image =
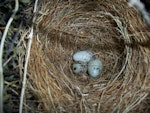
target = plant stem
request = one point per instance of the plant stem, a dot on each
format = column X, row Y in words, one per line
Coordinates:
column 1, row 54
column 27, row 60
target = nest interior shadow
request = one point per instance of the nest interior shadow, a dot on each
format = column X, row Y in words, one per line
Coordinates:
column 113, row 33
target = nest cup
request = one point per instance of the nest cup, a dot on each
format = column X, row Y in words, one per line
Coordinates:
column 118, row 37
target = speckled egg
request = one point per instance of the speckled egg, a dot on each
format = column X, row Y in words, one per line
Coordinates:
column 94, row 67
column 82, row 56
column 79, row 68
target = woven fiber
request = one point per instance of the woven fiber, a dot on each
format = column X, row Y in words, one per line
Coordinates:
column 117, row 35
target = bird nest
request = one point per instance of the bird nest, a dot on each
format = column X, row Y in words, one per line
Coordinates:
column 110, row 29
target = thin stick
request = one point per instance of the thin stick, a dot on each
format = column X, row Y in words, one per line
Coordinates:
column 1, row 54
column 26, row 61
column 25, row 70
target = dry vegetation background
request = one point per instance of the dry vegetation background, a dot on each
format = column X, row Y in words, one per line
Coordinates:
column 112, row 30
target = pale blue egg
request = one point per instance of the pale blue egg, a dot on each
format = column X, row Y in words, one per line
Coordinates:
column 82, row 56
column 94, row 67
column 79, row 68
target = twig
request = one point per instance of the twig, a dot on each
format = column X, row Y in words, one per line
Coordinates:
column 25, row 69
column 1, row 54
column 26, row 60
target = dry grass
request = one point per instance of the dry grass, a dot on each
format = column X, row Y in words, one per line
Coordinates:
column 111, row 29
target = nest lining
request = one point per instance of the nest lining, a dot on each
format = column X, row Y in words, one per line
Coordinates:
column 69, row 26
